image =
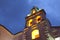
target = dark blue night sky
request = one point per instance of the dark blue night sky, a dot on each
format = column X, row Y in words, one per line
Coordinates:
column 13, row 12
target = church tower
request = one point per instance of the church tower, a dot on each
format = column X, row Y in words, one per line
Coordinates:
column 37, row 25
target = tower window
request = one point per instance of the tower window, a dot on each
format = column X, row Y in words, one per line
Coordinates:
column 38, row 19
column 29, row 22
column 35, row 34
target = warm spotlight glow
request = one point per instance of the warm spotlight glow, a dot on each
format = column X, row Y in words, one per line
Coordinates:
column 38, row 19
column 29, row 22
column 34, row 11
column 35, row 34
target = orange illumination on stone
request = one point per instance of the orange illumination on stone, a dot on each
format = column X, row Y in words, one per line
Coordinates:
column 29, row 22
column 36, row 36
column 38, row 19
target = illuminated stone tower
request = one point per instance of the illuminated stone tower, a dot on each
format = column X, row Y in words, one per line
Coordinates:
column 37, row 25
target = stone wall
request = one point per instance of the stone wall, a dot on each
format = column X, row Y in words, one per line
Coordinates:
column 5, row 35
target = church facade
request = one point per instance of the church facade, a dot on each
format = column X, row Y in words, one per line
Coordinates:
column 37, row 27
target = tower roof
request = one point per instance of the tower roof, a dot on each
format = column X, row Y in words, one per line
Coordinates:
column 41, row 11
column 36, row 9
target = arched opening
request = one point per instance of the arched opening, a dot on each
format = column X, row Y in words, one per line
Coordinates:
column 35, row 34
column 38, row 19
column 29, row 23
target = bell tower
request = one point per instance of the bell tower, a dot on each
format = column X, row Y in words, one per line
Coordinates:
column 37, row 25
